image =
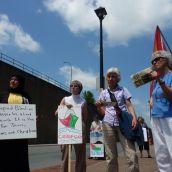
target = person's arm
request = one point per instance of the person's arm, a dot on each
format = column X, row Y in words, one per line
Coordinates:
column 100, row 107
column 130, row 108
column 62, row 103
column 166, row 89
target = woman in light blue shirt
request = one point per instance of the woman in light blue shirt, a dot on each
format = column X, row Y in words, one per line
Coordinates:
column 161, row 104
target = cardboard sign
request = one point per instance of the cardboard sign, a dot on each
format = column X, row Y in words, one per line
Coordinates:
column 69, row 125
column 17, row 121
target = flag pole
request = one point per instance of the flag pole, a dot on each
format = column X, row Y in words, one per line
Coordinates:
column 69, row 157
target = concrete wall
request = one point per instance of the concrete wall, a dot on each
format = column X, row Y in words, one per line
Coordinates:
column 45, row 95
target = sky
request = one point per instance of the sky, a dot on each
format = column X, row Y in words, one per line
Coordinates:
column 56, row 37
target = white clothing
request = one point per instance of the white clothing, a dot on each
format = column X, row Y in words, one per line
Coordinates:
column 145, row 135
column 162, row 133
column 96, row 126
column 74, row 100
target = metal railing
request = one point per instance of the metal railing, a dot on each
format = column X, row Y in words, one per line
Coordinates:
column 23, row 67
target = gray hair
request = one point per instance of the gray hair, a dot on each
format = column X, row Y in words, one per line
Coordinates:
column 163, row 54
column 114, row 70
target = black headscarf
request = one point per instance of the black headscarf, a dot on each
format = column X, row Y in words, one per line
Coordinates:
column 20, row 88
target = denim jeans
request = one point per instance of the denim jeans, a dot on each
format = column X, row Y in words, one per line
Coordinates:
column 111, row 135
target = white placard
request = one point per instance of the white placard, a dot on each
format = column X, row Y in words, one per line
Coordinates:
column 17, row 121
column 145, row 134
column 69, row 125
column 96, row 137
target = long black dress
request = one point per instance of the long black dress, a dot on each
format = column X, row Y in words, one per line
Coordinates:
column 14, row 153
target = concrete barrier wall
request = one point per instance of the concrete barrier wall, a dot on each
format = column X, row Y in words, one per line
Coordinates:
column 45, row 95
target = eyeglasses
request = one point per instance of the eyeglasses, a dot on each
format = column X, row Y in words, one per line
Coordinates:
column 73, row 85
column 157, row 60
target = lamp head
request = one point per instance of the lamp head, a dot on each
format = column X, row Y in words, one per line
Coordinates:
column 101, row 13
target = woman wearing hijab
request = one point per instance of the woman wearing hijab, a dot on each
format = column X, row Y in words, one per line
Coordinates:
column 14, row 152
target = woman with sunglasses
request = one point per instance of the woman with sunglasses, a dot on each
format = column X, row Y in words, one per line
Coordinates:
column 161, row 104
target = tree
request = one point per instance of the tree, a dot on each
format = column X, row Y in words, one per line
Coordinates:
column 92, row 111
column 89, row 97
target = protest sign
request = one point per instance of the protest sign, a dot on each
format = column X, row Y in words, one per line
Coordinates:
column 142, row 77
column 17, row 121
column 96, row 144
column 96, row 150
column 69, row 125
column 96, row 137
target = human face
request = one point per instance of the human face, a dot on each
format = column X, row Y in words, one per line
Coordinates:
column 159, row 63
column 74, row 89
column 112, row 79
column 14, row 83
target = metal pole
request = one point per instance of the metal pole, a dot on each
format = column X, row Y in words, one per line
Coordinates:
column 101, row 56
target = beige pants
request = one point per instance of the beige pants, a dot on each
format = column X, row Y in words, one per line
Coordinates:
column 111, row 136
column 80, row 152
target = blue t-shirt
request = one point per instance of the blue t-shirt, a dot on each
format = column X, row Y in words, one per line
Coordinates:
column 162, row 107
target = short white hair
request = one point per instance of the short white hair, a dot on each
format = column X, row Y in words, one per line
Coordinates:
column 114, row 70
column 163, row 54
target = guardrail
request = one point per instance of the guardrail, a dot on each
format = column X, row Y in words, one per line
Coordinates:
column 18, row 64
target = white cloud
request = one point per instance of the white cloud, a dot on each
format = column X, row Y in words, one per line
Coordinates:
column 14, row 35
column 88, row 78
column 125, row 20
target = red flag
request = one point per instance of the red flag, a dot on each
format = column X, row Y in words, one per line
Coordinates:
column 159, row 44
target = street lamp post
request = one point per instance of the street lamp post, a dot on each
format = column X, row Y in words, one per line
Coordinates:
column 101, row 13
column 70, row 70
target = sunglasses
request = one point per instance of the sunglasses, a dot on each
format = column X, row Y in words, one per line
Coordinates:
column 156, row 60
column 73, row 85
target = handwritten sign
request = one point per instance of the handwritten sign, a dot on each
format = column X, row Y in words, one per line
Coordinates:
column 17, row 121
column 69, row 125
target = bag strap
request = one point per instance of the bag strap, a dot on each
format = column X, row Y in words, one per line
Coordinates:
column 113, row 99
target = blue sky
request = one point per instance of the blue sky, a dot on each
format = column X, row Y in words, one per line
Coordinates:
column 44, row 34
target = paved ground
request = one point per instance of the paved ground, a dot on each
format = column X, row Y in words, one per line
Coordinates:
column 146, row 164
